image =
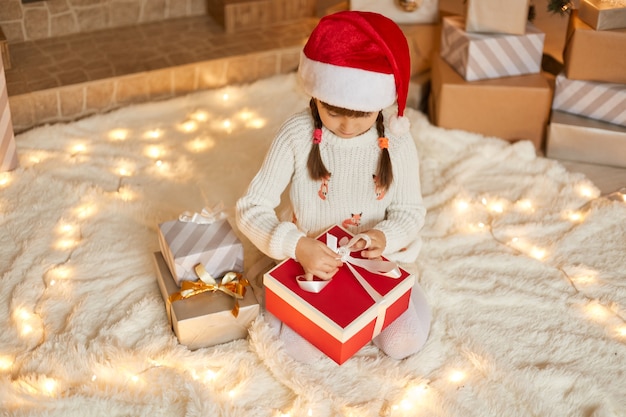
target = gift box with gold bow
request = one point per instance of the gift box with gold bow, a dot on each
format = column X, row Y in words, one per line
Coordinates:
column 342, row 315
column 206, row 238
column 208, row 311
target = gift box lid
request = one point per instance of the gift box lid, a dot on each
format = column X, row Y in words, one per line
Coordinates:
column 343, row 306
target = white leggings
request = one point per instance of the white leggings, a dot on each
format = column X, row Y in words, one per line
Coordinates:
column 403, row 337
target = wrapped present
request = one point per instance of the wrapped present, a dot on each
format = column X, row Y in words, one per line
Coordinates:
column 595, row 55
column 201, row 313
column 497, row 16
column 200, row 238
column 362, row 299
column 478, row 56
column 422, row 40
column 8, row 152
column 603, row 14
column 578, row 138
column 597, row 100
column 511, row 108
column 401, row 11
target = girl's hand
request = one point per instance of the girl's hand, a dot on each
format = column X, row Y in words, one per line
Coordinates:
column 317, row 259
column 376, row 247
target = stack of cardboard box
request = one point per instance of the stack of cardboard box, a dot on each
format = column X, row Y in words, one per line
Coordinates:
column 588, row 122
column 487, row 75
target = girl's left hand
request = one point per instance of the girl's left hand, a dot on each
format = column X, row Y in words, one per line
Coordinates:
column 376, row 247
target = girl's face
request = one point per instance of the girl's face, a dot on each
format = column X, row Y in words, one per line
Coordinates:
column 345, row 127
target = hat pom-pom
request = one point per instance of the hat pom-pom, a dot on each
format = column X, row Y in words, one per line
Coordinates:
column 399, row 125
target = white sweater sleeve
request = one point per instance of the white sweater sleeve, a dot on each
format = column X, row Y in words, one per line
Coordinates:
column 256, row 211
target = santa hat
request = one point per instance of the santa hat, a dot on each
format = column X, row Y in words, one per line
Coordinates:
column 358, row 61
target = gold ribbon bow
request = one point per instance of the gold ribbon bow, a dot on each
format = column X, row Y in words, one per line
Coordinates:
column 232, row 284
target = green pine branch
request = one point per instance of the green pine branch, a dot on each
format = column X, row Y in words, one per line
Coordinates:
column 561, row 7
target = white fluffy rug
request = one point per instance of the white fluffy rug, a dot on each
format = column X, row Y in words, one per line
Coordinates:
column 523, row 264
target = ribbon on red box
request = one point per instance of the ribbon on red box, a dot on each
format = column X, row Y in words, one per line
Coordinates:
column 344, row 249
column 377, row 266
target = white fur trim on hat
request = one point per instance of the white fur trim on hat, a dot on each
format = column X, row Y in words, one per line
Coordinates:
column 345, row 87
column 399, row 125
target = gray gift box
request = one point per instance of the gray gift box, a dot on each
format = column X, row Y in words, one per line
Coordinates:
column 204, row 319
column 186, row 244
column 578, row 138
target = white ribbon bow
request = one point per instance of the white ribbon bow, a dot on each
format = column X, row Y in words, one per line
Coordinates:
column 206, row 216
column 380, row 267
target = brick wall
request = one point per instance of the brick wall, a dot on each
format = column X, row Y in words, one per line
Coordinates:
column 52, row 18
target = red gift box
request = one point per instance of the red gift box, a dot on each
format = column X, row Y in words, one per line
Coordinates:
column 343, row 317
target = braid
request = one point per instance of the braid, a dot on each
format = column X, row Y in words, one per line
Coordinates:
column 384, row 172
column 317, row 169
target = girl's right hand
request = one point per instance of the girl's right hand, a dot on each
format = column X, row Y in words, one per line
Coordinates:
column 317, row 259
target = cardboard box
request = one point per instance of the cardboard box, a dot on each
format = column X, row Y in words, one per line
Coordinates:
column 511, row 108
column 8, row 150
column 205, row 319
column 479, row 56
column 603, row 15
column 597, row 100
column 579, row 138
column 594, row 55
column 238, row 15
column 497, row 16
column 423, row 41
column 186, row 244
column 427, row 12
column 343, row 317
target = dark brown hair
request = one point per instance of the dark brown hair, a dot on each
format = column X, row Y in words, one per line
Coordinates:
column 317, row 169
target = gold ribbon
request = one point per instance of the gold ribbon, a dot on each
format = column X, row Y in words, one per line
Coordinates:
column 232, row 284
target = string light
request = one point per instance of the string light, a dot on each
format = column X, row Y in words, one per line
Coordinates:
column 79, row 148
column 5, row 179
column 125, row 193
column 49, row 386
column 189, row 126
column 524, row 205
column 84, row 211
column 597, row 311
column 200, row 144
column 153, row 134
column 200, row 116
column 457, row 376
column 6, row 362
column 153, row 151
column 118, row 134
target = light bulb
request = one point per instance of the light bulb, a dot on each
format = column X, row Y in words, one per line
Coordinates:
column 457, row 376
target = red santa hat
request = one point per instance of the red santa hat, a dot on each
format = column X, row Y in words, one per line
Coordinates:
column 358, row 61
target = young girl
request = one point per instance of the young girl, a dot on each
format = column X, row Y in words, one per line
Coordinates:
column 345, row 165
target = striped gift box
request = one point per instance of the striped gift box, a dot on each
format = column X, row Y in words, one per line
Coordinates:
column 593, row 99
column 8, row 153
column 478, row 56
column 186, row 244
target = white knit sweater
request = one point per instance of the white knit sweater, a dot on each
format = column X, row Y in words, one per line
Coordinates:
column 350, row 198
